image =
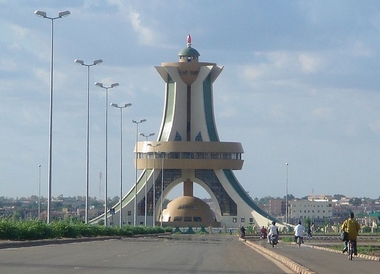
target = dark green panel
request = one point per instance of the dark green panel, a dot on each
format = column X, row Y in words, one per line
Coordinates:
column 209, row 109
column 243, row 194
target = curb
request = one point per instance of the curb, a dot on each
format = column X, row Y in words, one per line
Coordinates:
column 27, row 243
column 297, row 268
column 16, row 244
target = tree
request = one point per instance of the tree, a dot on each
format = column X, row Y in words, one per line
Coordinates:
column 338, row 196
column 355, row 201
column 265, row 200
column 290, row 197
column 18, row 215
column 308, row 221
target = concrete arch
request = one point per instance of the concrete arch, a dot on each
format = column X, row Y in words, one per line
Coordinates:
column 181, row 180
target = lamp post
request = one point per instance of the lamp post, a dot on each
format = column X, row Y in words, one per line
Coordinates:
column 137, row 139
column 162, row 184
column 106, row 146
column 121, row 157
column 43, row 15
column 39, row 192
column 154, row 184
column 94, row 63
column 145, row 190
column 286, row 197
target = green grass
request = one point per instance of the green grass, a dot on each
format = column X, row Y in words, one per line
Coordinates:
column 361, row 249
column 287, row 239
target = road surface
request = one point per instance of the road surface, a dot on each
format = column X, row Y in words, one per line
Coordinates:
column 208, row 254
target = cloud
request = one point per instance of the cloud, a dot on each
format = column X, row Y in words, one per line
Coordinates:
column 146, row 36
column 18, row 31
column 285, row 68
column 359, row 48
column 375, row 126
column 322, row 112
column 309, row 63
column 8, row 65
column 251, row 73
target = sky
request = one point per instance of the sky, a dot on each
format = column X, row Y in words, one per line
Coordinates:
column 300, row 85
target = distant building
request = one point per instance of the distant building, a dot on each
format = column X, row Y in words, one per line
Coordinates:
column 315, row 210
column 319, row 197
column 277, row 207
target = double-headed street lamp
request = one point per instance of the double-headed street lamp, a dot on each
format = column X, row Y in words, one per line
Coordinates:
column 39, row 192
column 106, row 146
column 162, row 184
column 121, row 157
column 154, row 183
column 43, row 15
column 146, row 173
column 137, row 139
column 286, row 197
column 81, row 62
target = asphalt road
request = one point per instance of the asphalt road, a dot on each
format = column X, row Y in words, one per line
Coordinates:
column 220, row 254
column 323, row 261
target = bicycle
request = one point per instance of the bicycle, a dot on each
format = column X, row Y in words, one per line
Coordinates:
column 273, row 240
column 350, row 249
column 299, row 240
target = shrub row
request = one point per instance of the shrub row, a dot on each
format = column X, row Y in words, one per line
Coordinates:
column 36, row 229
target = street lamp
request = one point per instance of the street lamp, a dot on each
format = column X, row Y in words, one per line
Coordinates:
column 106, row 146
column 43, row 15
column 137, row 139
column 162, row 184
column 121, row 157
column 286, row 197
column 81, row 62
column 39, row 192
column 154, row 183
column 146, row 173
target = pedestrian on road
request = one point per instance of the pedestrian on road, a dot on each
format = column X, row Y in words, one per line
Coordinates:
column 309, row 232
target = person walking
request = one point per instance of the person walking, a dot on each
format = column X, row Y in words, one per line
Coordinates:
column 309, row 236
column 352, row 227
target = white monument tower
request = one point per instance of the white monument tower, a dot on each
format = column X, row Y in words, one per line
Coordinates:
column 188, row 151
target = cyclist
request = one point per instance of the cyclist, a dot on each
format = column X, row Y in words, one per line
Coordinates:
column 298, row 232
column 272, row 231
column 263, row 233
column 352, row 227
column 242, row 232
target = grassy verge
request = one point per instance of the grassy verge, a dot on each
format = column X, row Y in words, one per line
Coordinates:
column 368, row 250
column 36, row 230
column 362, row 249
column 287, row 239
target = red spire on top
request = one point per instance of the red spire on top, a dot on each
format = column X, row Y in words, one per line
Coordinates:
column 189, row 39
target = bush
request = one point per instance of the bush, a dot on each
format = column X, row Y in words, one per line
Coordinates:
column 8, row 230
column 36, row 229
column 64, row 230
column 33, row 230
column 24, row 230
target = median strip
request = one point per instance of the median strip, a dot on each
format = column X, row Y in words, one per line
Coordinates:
column 297, row 268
